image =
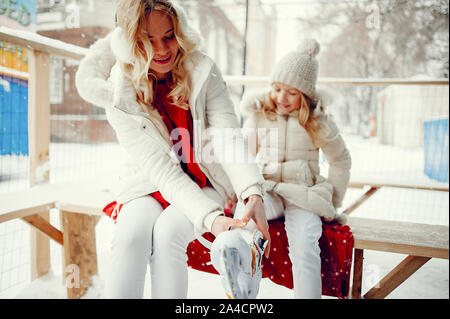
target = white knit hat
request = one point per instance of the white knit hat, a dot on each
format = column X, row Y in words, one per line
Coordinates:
column 299, row 68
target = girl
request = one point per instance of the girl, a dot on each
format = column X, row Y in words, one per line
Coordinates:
column 290, row 163
column 159, row 92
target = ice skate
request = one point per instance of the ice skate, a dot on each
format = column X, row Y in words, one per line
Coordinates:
column 239, row 263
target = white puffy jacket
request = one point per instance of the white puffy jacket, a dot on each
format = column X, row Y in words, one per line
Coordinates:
column 287, row 155
column 144, row 136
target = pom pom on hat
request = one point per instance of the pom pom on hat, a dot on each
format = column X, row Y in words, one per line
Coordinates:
column 299, row 68
column 309, row 46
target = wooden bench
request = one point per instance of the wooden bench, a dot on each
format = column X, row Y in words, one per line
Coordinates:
column 420, row 242
column 80, row 207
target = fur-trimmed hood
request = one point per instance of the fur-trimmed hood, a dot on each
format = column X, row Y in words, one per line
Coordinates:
column 252, row 101
column 120, row 47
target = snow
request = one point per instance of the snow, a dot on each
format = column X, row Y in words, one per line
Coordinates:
column 69, row 162
column 395, row 165
column 431, row 281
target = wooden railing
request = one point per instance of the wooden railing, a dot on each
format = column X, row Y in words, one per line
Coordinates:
column 40, row 49
column 39, row 139
column 264, row 80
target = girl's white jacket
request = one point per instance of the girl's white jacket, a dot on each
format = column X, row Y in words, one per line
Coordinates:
column 291, row 157
column 144, row 136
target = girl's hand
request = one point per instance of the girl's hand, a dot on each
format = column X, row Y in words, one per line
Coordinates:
column 254, row 209
column 223, row 223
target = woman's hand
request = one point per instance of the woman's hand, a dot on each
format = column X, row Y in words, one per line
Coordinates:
column 254, row 209
column 223, row 223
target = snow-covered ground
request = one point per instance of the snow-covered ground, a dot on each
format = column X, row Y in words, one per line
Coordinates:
column 370, row 160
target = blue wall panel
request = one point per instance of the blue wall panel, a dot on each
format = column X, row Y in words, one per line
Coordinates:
column 436, row 149
column 13, row 116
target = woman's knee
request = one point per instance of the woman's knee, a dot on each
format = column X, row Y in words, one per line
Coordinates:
column 173, row 229
column 135, row 224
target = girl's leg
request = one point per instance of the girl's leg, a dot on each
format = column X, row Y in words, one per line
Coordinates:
column 303, row 229
column 172, row 234
column 131, row 247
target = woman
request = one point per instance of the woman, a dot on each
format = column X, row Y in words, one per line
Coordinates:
column 160, row 93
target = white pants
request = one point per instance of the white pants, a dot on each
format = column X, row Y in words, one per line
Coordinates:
column 303, row 230
column 145, row 234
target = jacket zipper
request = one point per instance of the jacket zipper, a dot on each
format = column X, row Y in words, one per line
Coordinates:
column 203, row 168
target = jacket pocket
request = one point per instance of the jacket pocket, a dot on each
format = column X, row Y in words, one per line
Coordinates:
column 147, row 126
column 150, row 130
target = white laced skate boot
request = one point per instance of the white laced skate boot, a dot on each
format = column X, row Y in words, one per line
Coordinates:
column 239, row 262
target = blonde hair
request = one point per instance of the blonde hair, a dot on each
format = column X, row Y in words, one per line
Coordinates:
column 132, row 18
column 313, row 124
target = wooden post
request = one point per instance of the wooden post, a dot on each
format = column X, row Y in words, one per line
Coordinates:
column 80, row 253
column 38, row 143
column 357, row 274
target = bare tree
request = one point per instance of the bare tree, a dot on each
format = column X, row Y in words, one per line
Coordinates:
column 394, row 38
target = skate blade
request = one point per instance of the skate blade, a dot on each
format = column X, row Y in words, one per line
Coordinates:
column 231, row 260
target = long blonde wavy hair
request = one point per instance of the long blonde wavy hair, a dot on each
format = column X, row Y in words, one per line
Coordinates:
column 313, row 124
column 132, row 18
